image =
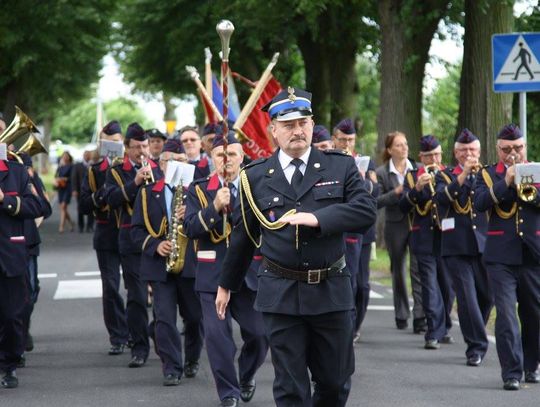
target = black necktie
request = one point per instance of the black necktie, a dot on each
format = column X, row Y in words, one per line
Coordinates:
column 233, row 195
column 297, row 177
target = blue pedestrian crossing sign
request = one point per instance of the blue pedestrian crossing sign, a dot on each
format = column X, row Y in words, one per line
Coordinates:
column 515, row 62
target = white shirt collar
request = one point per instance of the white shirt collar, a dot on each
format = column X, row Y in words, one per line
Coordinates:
column 285, row 159
column 234, row 181
column 392, row 167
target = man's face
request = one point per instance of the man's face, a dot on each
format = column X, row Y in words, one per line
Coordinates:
column 192, row 143
column 137, row 148
column 155, row 146
column 169, row 155
column 87, row 155
column 464, row 151
column 207, row 141
column 2, row 126
column 235, row 155
column 293, row 136
column 510, row 150
column 343, row 141
column 431, row 157
column 324, row 145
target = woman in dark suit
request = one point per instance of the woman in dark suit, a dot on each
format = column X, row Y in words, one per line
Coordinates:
column 62, row 184
column 396, row 230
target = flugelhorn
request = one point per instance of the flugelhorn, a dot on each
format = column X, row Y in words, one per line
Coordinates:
column 147, row 178
column 432, row 170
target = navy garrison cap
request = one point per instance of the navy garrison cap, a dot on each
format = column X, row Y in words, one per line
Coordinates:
column 346, row 126
column 135, row 132
column 113, row 127
column 428, row 143
column 289, row 104
column 466, row 137
column 211, row 128
column 320, row 134
column 510, row 132
column 173, row 146
column 2, row 116
column 152, row 133
column 219, row 140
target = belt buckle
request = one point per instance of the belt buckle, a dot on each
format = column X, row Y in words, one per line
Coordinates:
column 314, row 276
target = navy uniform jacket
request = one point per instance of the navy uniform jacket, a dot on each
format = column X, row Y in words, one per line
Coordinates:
column 423, row 215
column 334, row 192
column 123, row 191
column 506, row 237
column 462, row 234
column 19, row 203
column 153, row 267
column 93, row 198
column 31, row 232
column 202, row 168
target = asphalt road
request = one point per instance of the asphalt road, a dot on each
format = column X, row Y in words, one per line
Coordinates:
column 70, row 366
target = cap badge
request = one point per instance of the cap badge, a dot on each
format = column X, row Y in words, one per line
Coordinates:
column 292, row 96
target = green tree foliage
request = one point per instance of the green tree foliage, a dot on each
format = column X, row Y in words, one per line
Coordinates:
column 77, row 125
column 441, row 109
column 368, row 103
column 51, row 51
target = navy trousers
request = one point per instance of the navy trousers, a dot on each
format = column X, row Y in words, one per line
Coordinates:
column 176, row 293
column 137, row 295
column 474, row 300
column 437, row 296
column 320, row 344
column 114, row 312
column 516, row 285
column 13, row 305
column 362, row 286
column 32, row 283
column 220, row 344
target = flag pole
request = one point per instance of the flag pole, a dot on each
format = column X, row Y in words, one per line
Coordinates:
column 208, row 76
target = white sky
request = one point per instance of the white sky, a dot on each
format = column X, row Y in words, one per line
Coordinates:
column 111, row 84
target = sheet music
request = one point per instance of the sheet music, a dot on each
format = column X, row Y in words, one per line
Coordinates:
column 111, row 149
column 3, row 151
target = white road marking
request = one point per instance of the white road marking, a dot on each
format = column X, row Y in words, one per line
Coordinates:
column 47, row 275
column 87, row 273
column 72, row 289
column 373, row 294
column 380, row 307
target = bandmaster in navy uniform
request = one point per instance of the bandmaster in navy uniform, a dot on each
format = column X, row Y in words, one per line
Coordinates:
column 17, row 203
column 297, row 204
column 94, row 194
column 512, row 258
column 462, row 244
column 156, row 205
column 424, row 220
column 124, row 181
column 207, row 199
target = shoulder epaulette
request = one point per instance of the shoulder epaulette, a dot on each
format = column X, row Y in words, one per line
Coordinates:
column 336, row 151
column 256, row 162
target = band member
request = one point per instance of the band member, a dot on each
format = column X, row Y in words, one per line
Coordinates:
column 462, row 244
column 207, row 139
column 321, row 138
column 512, row 258
column 17, row 203
column 296, row 205
column 155, row 207
column 191, row 142
column 124, row 181
column 424, row 220
column 156, row 141
column 208, row 206
column 94, row 197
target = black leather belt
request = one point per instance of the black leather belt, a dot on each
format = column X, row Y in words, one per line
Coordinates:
column 314, row 276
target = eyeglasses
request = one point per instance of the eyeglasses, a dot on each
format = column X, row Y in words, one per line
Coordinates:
column 508, row 149
column 189, row 140
column 345, row 140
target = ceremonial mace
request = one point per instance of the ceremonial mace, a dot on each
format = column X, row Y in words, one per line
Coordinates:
column 225, row 30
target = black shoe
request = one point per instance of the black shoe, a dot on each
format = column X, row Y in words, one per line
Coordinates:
column 247, row 390
column 401, row 324
column 474, row 360
column 532, row 377
column 21, row 362
column 10, row 381
column 511, row 384
column 117, row 349
column 447, row 340
column 191, row 369
column 171, row 380
column 136, row 361
column 29, row 343
column 432, row 344
column 229, row 402
column 419, row 326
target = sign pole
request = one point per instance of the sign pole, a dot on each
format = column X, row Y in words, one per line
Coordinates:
column 523, row 114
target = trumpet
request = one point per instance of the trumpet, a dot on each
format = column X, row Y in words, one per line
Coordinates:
column 148, row 178
column 432, row 169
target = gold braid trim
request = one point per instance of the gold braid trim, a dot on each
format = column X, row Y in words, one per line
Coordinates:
column 502, row 213
column 148, row 224
column 215, row 236
column 92, row 180
column 462, row 210
column 427, row 207
column 119, row 181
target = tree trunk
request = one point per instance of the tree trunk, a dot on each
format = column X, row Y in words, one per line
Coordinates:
column 480, row 109
column 407, row 28
column 343, row 84
column 44, row 159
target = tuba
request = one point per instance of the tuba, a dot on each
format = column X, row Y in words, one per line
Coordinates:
column 32, row 146
column 20, row 126
column 175, row 261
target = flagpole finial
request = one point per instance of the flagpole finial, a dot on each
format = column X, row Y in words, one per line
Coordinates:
column 192, row 71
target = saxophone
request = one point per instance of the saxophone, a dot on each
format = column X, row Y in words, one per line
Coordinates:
column 175, row 234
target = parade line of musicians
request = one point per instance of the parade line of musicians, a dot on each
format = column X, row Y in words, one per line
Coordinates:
column 282, row 246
